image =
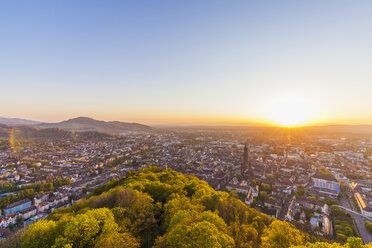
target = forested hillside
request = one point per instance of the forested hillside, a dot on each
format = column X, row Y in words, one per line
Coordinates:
column 161, row 208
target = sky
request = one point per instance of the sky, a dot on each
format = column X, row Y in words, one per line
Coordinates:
column 187, row 62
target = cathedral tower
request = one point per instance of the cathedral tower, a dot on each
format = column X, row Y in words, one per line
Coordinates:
column 245, row 159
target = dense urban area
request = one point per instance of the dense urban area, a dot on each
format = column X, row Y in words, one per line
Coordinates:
column 321, row 183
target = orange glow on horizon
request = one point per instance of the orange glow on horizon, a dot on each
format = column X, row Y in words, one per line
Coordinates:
column 284, row 111
column 291, row 110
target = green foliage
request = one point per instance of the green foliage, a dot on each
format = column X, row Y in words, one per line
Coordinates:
column 343, row 229
column 267, row 188
column 85, row 229
column 117, row 240
column 281, row 235
column 356, row 203
column 325, row 172
column 196, row 229
column 244, row 235
column 196, row 235
column 336, row 211
column 368, row 226
column 342, row 224
column 29, row 191
column 352, row 242
column 255, row 182
column 344, row 187
column 40, row 235
column 300, row 191
column 159, row 208
column 330, row 202
column 262, row 195
column 23, row 194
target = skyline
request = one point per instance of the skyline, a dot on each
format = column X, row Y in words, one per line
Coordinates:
column 187, row 63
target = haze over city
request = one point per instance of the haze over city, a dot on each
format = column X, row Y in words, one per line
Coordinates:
column 287, row 63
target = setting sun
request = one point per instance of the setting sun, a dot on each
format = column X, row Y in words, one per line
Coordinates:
column 290, row 111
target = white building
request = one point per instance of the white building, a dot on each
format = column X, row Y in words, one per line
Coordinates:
column 326, row 186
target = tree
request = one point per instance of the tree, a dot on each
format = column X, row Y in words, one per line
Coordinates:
column 198, row 235
column 300, row 191
column 234, row 194
column 156, row 208
column 343, row 186
column 267, row 188
column 281, row 235
column 49, row 187
column 244, row 235
column 83, row 230
column 254, row 182
column 117, row 240
column 40, row 235
column 337, row 211
column 177, row 204
column 20, row 221
column 352, row 242
column 66, row 181
column 368, row 226
column 262, row 195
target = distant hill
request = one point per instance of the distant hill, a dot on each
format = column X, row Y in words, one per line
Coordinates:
column 17, row 122
column 82, row 124
column 4, row 131
column 33, row 133
column 36, row 133
column 29, row 132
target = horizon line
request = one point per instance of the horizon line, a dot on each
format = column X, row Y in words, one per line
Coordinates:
column 201, row 123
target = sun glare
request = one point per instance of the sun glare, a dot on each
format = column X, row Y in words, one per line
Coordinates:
column 290, row 111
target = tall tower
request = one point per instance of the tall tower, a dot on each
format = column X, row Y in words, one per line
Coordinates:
column 245, row 159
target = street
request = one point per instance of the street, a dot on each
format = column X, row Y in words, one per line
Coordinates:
column 359, row 220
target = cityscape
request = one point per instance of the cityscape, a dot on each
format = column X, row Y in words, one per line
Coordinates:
column 185, row 124
column 301, row 179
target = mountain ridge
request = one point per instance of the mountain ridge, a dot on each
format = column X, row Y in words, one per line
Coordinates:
column 80, row 124
column 17, row 121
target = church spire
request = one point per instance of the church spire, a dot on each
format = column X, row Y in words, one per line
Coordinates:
column 245, row 159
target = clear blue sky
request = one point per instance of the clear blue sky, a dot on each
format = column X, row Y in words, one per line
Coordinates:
column 186, row 61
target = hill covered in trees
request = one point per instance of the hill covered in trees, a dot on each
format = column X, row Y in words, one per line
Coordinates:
column 27, row 133
column 161, row 208
column 81, row 124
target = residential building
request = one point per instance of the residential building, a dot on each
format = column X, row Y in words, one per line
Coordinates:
column 17, row 206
